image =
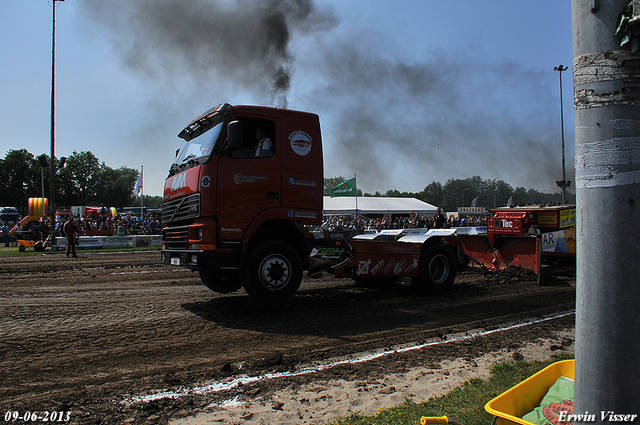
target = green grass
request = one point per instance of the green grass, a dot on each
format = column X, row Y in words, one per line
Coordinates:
column 464, row 404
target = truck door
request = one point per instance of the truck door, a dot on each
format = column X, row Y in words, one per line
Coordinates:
column 249, row 179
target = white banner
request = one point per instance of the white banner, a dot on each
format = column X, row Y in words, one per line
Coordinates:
column 111, row 241
column 96, row 242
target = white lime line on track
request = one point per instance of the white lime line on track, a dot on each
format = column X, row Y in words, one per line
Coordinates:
column 174, row 270
column 232, row 383
column 146, row 272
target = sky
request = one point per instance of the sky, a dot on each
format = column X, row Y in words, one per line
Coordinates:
column 408, row 92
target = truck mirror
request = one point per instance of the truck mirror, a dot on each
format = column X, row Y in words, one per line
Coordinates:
column 235, row 135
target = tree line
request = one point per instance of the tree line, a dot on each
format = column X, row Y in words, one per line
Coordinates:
column 455, row 193
column 80, row 179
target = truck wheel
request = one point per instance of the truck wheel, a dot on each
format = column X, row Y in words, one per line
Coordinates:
column 223, row 285
column 273, row 272
column 437, row 270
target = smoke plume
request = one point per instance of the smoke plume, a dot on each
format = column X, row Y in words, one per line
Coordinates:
column 396, row 123
column 210, row 43
column 453, row 116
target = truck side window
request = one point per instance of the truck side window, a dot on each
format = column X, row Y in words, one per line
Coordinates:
column 258, row 139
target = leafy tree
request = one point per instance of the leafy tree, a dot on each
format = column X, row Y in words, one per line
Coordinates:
column 42, row 172
column 501, row 192
column 115, row 187
column 81, row 179
column 86, row 181
column 453, row 192
column 432, row 193
column 18, row 179
column 489, row 193
column 154, row 202
column 520, row 195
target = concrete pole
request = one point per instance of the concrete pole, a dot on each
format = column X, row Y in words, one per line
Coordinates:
column 607, row 114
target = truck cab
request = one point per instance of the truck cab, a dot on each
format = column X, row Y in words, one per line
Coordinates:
column 235, row 204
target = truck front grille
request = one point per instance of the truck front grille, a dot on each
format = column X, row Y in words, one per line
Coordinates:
column 181, row 209
column 176, row 237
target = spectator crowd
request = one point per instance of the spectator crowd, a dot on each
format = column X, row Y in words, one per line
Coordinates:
column 121, row 225
column 413, row 221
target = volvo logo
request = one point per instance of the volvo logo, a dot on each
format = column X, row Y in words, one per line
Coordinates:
column 179, row 181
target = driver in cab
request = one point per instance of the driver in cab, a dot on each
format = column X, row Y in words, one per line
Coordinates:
column 264, row 147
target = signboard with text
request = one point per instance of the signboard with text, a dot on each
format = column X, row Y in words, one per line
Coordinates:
column 472, row 210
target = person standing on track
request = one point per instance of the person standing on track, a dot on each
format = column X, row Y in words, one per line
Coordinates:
column 5, row 234
column 70, row 229
column 440, row 221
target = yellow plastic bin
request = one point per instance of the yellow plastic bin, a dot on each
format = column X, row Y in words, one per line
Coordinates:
column 510, row 406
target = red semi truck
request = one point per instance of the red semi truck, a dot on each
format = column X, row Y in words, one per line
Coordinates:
column 237, row 209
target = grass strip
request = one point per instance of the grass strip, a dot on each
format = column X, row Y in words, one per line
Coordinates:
column 464, row 404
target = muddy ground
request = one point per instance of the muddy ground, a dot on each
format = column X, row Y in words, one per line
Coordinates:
column 95, row 335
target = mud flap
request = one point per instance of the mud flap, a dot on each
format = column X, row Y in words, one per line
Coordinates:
column 328, row 255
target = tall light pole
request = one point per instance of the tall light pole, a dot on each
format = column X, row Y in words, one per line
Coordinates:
column 52, row 164
column 563, row 184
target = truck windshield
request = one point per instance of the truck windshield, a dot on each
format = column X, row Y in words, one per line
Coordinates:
column 196, row 151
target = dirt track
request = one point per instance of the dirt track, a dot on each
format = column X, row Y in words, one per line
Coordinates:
column 83, row 335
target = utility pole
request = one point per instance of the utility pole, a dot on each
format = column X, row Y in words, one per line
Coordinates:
column 52, row 163
column 563, row 184
column 607, row 112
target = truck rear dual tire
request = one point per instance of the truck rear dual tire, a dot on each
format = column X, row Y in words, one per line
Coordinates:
column 273, row 272
column 437, row 269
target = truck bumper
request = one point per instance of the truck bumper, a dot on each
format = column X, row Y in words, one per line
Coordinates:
column 200, row 259
column 182, row 258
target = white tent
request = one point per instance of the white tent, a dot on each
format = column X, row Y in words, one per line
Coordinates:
column 376, row 205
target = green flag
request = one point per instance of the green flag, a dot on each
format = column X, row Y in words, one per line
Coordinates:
column 346, row 188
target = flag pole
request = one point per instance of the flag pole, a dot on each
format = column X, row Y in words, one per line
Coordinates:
column 142, row 191
column 355, row 181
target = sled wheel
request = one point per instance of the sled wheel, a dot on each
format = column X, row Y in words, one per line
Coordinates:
column 437, row 269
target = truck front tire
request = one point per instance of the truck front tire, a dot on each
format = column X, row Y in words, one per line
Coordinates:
column 217, row 283
column 273, row 272
column 437, row 269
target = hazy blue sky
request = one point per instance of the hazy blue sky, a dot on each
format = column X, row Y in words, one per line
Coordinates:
column 408, row 92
